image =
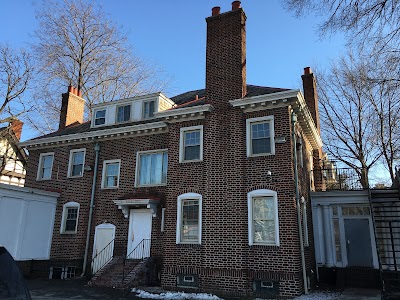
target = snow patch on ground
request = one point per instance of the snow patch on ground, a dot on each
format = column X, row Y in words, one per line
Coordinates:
column 175, row 295
column 192, row 296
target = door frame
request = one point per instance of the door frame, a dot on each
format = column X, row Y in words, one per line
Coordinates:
column 131, row 211
column 102, row 226
column 343, row 242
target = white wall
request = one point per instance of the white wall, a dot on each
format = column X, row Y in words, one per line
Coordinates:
column 26, row 221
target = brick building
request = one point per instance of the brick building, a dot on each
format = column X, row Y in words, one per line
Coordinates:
column 203, row 181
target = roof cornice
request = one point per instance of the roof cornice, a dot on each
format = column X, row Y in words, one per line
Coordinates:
column 281, row 99
column 184, row 113
column 141, row 129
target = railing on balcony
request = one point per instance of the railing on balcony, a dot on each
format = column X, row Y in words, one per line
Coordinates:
column 140, row 252
column 103, row 257
column 344, row 179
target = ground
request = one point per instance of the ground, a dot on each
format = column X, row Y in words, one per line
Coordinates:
column 42, row 289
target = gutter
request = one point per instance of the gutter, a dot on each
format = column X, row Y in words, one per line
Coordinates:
column 296, row 183
column 96, row 163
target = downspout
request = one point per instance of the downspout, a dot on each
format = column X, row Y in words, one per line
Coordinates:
column 96, row 163
column 296, row 184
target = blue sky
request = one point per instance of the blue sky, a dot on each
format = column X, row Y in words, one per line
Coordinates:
column 172, row 35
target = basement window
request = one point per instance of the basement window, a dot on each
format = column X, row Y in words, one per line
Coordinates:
column 187, row 280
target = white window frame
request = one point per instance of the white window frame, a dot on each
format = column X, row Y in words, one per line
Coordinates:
column 257, row 194
column 137, row 171
column 130, row 113
column 71, row 154
column 182, row 143
column 39, row 176
column 94, row 117
column 144, row 107
column 249, row 122
column 187, row 196
column 104, row 173
column 64, row 217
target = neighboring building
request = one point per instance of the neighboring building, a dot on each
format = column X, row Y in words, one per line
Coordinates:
column 206, row 177
column 13, row 157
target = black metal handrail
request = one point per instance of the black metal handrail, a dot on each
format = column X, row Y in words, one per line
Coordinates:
column 103, row 257
column 140, row 252
column 344, row 179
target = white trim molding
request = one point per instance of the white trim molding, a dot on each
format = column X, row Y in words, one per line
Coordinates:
column 249, row 122
column 104, row 173
column 65, row 214
column 137, row 171
column 260, row 194
column 293, row 98
column 39, row 175
column 182, row 143
column 110, row 133
column 70, row 162
column 180, row 199
column 184, row 114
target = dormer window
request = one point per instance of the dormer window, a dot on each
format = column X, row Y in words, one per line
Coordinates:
column 100, row 117
column 123, row 113
column 148, row 109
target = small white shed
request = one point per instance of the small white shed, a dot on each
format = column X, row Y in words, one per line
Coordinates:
column 26, row 221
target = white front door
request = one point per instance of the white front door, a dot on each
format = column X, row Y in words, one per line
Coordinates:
column 139, row 236
column 103, row 247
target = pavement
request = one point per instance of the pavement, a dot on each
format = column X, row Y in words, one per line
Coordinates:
column 45, row 289
column 360, row 294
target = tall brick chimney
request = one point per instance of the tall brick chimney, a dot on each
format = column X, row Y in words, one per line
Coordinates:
column 226, row 56
column 72, row 108
column 16, row 127
column 310, row 94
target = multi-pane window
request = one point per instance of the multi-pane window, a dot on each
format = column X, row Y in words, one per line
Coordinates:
column 70, row 217
column 45, row 166
column 152, row 168
column 148, row 109
column 100, row 117
column 189, row 219
column 123, row 113
column 260, row 136
column 191, row 144
column 111, row 174
column 76, row 163
column 263, row 218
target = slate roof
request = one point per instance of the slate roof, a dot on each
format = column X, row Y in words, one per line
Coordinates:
column 187, row 99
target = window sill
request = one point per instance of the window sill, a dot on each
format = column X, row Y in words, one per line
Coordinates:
column 68, row 232
column 190, row 161
column 188, row 244
column 43, row 179
column 72, row 177
column 109, row 187
column 261, row 154
column 150, row 185
column 265, row 244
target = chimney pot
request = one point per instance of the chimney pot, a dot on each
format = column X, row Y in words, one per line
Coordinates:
column 216, row 10
column 235, row 5
column 307, row 71
column 70, row 89
column 79, row 94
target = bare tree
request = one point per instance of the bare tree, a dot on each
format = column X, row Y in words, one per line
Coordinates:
column 348, row 117
column 384, row 95
column 366, row 18
column 77, row 44
column 16, row 69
